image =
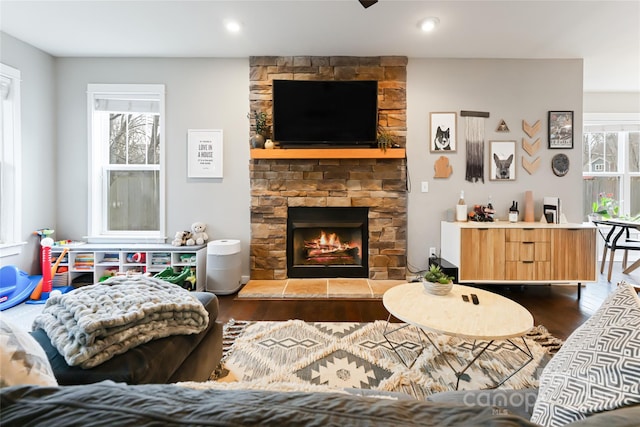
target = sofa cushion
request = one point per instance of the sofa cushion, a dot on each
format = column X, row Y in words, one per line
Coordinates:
column 623, row 417
column 22, row 360
column 153, row 362
column 154, row 405
column 598, row 367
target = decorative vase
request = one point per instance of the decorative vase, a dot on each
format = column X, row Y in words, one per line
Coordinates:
column 528, row 207
column 461, row 213
column 436, row 288
column 269, row 144
column 257, row 141
column 594, row 216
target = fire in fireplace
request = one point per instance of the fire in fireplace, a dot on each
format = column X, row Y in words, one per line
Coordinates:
column 327, row 242
column 327, row 250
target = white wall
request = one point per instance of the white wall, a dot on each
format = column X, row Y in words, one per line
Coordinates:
column 39, row 191
column 512, row 90
column 612, row 102
column 200, row 94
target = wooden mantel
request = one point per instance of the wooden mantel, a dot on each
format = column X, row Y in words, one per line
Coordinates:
column 328, row 153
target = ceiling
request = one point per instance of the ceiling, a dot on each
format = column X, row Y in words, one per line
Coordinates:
column 606, row 34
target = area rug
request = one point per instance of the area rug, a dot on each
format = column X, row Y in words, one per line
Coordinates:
column 357, row 355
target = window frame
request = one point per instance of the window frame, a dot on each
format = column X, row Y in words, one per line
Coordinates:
column 622, row 124
column 99, row 165
column 11, row 154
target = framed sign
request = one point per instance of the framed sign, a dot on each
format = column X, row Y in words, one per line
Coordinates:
column 204, row 153
column 442, row 132
column 560, row 129
column 503, row 160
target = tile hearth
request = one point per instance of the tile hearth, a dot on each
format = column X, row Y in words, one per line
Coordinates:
column 317, row 288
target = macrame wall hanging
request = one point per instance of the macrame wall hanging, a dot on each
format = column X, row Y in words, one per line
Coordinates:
column 474, row 134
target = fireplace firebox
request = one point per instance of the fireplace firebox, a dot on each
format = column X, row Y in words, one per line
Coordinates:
column 327, row 242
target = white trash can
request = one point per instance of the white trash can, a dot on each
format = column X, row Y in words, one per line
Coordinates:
column 224, row 274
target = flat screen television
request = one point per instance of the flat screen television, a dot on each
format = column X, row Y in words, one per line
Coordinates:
column 309, row 113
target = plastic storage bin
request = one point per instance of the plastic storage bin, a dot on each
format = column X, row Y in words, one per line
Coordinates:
column 224, row 260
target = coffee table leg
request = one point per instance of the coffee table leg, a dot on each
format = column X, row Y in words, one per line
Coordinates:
column 461, row 375
column 394, row 346
column 527, row 352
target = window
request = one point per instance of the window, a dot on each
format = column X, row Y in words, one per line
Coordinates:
column 126, row 126
column 10, row 167
column 611, row 161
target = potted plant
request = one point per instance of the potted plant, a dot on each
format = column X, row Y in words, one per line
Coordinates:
column 605, row 207
column 261, row 129
column 385, row 139
column 436, row 281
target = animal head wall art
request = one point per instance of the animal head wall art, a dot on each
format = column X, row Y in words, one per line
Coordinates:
column 503, row 166
column 442, row 140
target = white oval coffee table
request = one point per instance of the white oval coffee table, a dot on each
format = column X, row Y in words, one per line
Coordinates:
column 493, row 318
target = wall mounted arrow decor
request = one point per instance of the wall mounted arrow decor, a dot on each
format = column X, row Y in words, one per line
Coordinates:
column 531, row 130
column 530, row 167
column 531, row 149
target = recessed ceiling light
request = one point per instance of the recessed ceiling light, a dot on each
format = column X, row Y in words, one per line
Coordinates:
column 232, row 26
column 428, row 24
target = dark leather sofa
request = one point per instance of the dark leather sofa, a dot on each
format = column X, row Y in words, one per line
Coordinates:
column 166, row 360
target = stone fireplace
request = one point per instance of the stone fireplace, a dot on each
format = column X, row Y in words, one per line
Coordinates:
column 377, row 184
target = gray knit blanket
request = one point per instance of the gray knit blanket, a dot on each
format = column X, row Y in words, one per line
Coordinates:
column 92, row 324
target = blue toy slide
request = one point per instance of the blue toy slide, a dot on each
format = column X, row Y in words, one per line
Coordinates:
column 15, row 286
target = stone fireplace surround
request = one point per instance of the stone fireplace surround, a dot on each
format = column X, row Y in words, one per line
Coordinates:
column 379, row 184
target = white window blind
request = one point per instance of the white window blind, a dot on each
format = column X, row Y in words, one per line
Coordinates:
column 116, row 105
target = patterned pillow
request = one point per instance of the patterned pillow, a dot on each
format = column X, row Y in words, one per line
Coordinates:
column 598, row 367
column 22, row 359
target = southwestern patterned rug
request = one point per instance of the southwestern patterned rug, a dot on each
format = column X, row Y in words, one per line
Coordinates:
column 357, row 355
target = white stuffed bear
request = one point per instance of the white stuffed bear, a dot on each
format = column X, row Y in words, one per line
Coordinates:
column 198, row 235
column 181, row 238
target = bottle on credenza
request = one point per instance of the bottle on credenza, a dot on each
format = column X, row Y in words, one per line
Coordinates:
column 513, row 212
column 461, row 208
column 489, row 211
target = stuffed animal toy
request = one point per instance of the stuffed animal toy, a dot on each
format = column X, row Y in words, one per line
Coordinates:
column 198, row 235
column 181, row 238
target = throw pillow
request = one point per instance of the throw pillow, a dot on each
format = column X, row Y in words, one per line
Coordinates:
column 22, row 359
column 598, row 367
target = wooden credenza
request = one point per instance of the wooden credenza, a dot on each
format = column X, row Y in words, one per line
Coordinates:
column 504, row 252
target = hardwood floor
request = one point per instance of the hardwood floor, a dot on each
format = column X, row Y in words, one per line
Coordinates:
column 556, row 307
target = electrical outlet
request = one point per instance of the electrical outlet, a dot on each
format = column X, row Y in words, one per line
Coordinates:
column 425, row 186
column 432, row 253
